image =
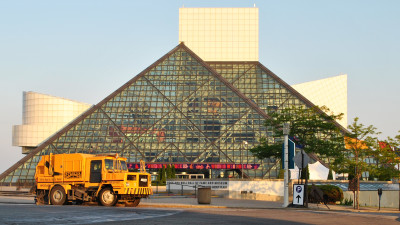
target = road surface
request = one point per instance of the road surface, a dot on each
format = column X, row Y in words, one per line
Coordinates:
column 73, row 214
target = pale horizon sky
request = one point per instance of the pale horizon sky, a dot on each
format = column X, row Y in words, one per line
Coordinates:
column 84, row 50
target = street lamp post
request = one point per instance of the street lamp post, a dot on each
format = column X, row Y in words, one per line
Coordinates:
column 286, row 129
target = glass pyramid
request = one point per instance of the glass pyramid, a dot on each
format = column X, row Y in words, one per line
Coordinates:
column 179, row 110
column 266, row 89
column 259, row 84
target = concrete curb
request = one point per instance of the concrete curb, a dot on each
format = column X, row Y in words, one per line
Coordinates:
column 18, row 203
column 171, row 205
column 350, row 209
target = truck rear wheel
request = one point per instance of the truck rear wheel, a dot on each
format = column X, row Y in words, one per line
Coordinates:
column 107, row 197
column 58, row 196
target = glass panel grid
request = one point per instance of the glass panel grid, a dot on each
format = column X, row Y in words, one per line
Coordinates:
column 178, row 111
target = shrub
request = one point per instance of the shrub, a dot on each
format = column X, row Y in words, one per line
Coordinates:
column 330, row 175
column 155, row 183
column 331, row 193
column 347, row 202
column 281, row 174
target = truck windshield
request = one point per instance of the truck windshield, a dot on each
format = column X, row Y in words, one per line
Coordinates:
column 115, row 165
column 122, row 165
column 109, row 164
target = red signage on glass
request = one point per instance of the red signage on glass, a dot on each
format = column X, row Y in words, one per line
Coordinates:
column 198, row 166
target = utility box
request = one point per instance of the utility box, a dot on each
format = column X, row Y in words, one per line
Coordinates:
column 204, row 195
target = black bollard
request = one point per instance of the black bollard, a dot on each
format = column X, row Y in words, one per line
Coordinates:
column 379, row 194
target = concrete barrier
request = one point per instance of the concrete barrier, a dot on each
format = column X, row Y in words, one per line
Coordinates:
column 389, row 199
column 272, row 189
column 268, row 190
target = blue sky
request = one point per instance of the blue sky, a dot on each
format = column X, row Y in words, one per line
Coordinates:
column 84, row 50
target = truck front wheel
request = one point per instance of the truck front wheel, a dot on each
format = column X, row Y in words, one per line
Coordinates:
column 58, row 196
column 107, row 197
column 134, row 203
column 41, row 197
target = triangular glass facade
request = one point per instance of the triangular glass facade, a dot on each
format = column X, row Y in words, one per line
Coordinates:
column 263, row 87
column 260, row 85
column 177, row 110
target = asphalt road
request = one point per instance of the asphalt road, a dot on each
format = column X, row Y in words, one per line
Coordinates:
column 71, row 214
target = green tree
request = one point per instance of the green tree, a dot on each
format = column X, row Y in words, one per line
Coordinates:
column 361, row 143
column 173, row 171
column 372, row 175
column 163, row 175
column 350, row 171
column 387, row 158
column 168, row 171
column 159, row 176
column 330, row 175
column 314, row 128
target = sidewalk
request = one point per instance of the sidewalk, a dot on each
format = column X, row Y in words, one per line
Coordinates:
column 17, row 200
column 191, row 202
column 188, row 201
column 363, row 209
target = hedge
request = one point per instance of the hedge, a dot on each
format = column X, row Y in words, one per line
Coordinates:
column 332, row 194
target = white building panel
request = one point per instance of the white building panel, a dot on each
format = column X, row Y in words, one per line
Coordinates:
column 330, row 92
column 220, row 34
column 42, row 116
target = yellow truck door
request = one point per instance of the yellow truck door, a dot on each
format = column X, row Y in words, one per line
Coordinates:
column 95, row 171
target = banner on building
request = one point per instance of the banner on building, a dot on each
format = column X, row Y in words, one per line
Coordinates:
column 198, row 166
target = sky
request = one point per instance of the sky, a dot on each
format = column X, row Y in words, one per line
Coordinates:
column 84, row 50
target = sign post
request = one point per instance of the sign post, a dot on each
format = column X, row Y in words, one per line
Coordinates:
column 291, row 152
column 302, row 161
column 286, row 128
column 298, row 194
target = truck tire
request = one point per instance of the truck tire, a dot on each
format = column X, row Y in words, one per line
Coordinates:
column 134, row 203
column 107, row 197
column 41, row 197
column 58, row 196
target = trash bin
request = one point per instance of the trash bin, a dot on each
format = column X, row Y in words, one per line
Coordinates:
column 204, row 195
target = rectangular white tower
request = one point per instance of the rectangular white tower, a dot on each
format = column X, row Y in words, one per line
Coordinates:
column 220, row 34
